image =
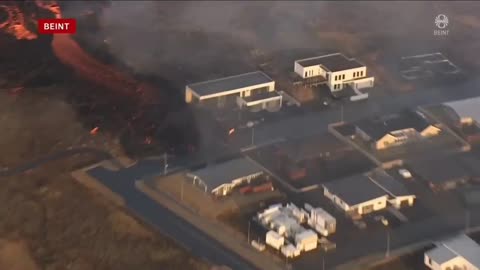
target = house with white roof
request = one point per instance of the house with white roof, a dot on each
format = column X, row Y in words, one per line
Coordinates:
column 339, row 71
column 457, row 253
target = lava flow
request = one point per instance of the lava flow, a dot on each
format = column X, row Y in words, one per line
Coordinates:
column 67, row 50
column 15, row 23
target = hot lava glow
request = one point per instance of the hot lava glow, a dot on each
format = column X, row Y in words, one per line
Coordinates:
column 68, row 51
column 15, row 23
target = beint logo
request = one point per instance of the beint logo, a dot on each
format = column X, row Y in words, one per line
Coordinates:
column 441, row 21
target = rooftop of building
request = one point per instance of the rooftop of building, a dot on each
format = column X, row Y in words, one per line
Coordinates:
column 466, row 108
column 391, row 185
column 230, row 83
column 378, row 127
column 451, row 248
column 316, row 146
column 332, row 62
column 355, row 189
column 440, row 170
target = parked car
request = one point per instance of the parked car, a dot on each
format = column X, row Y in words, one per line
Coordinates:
column 406, row 174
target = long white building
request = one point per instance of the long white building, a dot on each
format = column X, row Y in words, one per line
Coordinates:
column 338, row 70
column 254, row 90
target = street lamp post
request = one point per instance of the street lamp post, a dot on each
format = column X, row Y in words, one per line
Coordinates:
column 165, row 164
column 387, row 252
column 341, row 113
column 323, row 262
column 386, row 224
column 181, row 190
column 248, row 234
column 467, row 220
column 251, row 125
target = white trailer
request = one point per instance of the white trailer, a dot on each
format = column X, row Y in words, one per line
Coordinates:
column 322, row 221
column 298, row 213
column 258, row 246
column 274, row 240
column 290, row 251
column 306, row 240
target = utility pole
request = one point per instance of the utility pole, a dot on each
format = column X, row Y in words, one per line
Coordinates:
column 387, row 252
column 341, row 113
column 323, row 262
column 467, row 220
column 181, row 190
column 253, row 136
column 251, row 125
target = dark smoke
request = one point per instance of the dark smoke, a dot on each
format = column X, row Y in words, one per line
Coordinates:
column 194, row 38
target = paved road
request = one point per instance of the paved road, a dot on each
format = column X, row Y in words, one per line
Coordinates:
column 122, row 182
column 374, row 243
column 316, row 122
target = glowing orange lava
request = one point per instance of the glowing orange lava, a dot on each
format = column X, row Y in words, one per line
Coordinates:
column 67, row 50
column 15, row 23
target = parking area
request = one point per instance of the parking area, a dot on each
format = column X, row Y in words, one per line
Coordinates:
column 430, row 66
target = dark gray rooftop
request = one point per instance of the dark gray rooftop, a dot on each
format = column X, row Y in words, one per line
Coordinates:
column 461, row 245
column 334, row 62
column 230, row 83
column 223, row 173
column 378, row 127
column 439, row 170
column 355, row 189
column 311, row 147
column 390, row 184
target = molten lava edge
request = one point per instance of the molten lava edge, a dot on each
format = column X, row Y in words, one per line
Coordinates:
column 145, row 118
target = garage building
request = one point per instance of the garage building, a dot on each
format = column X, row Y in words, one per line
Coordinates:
column 220, row 179
column 254, row 90
column 338, row 70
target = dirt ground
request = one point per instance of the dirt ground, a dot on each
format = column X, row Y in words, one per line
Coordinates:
column 48, row 221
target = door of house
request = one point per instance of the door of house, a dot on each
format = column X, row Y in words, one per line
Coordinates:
column 367, row 209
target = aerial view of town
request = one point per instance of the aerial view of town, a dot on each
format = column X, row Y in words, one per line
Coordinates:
column 239, row 135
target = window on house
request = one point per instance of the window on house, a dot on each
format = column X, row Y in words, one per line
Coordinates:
column 343, row 77
column 361, row 73
column 429, row 261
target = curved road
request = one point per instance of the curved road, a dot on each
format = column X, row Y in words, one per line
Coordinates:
column 71, row 54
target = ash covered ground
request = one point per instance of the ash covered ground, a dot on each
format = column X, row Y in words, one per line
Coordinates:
column 48, row 104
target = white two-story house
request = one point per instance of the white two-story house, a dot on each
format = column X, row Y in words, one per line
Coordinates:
column 338, row 71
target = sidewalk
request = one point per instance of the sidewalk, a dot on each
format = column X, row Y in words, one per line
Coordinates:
column 227, row 238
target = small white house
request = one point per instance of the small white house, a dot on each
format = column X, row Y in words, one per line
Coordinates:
column 220, row 179
column 338, row 71
column 459, row 252
column 365, row 193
